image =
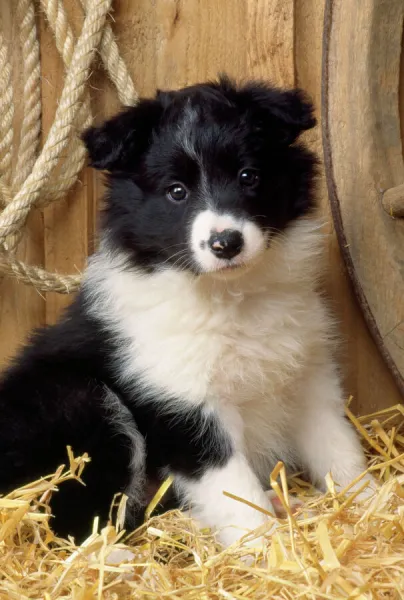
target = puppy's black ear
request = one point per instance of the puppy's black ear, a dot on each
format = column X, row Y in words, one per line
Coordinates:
column 283, row 114
column 117, row 144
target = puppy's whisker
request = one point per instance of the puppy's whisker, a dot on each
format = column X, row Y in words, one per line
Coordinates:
column 180, row 254
column 182, row 244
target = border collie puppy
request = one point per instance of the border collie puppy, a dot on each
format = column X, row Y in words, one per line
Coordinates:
column 198, row 344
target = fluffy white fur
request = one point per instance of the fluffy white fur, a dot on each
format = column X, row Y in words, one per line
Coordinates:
column 212, row 508
column 256, row 350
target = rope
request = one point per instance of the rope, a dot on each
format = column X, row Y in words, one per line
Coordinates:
column 31, row 123
column 45, row 176
column 42, row 280
column 7, row 114
column 65, row 43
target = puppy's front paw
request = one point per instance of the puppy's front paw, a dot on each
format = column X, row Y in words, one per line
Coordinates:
column 367, row 484
column 279, row 510
column 230, row 535
column 252, row 547
column 368, row 491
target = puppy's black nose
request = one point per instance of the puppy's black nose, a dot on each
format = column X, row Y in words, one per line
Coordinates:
column 226, row 244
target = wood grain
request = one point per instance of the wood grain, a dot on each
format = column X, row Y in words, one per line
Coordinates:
column 21, row 307
column 270, row 41
column 363, row 155
column 170, row 43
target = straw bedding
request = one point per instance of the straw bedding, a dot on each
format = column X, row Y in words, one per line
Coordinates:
column 331, row 548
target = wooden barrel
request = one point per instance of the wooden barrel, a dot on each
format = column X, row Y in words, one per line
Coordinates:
column 364, row 160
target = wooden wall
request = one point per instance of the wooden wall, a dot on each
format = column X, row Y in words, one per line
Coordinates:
column 170, row 43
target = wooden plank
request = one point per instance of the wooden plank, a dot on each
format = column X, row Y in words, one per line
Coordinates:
column 21, row 307
column 171, row 43
column 366, row 376
column 270, row 41
column 363, row 157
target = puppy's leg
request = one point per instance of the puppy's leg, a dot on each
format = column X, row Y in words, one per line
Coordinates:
column 207, row 459
column 211, row 507
column 325, row 440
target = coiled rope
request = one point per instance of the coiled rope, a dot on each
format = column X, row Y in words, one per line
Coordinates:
column 44, row 176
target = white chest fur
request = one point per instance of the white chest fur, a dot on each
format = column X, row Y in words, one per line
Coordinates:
column 244, row 341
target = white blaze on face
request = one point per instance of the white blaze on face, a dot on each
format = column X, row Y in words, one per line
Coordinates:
column 208, row 222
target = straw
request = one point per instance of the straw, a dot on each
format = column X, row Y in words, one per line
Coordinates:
column 334, row 546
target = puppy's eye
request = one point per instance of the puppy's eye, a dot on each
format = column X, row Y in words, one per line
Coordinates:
column 177, row 192
column 249, row 177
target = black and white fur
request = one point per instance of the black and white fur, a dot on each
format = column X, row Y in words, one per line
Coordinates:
column 198, row 344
